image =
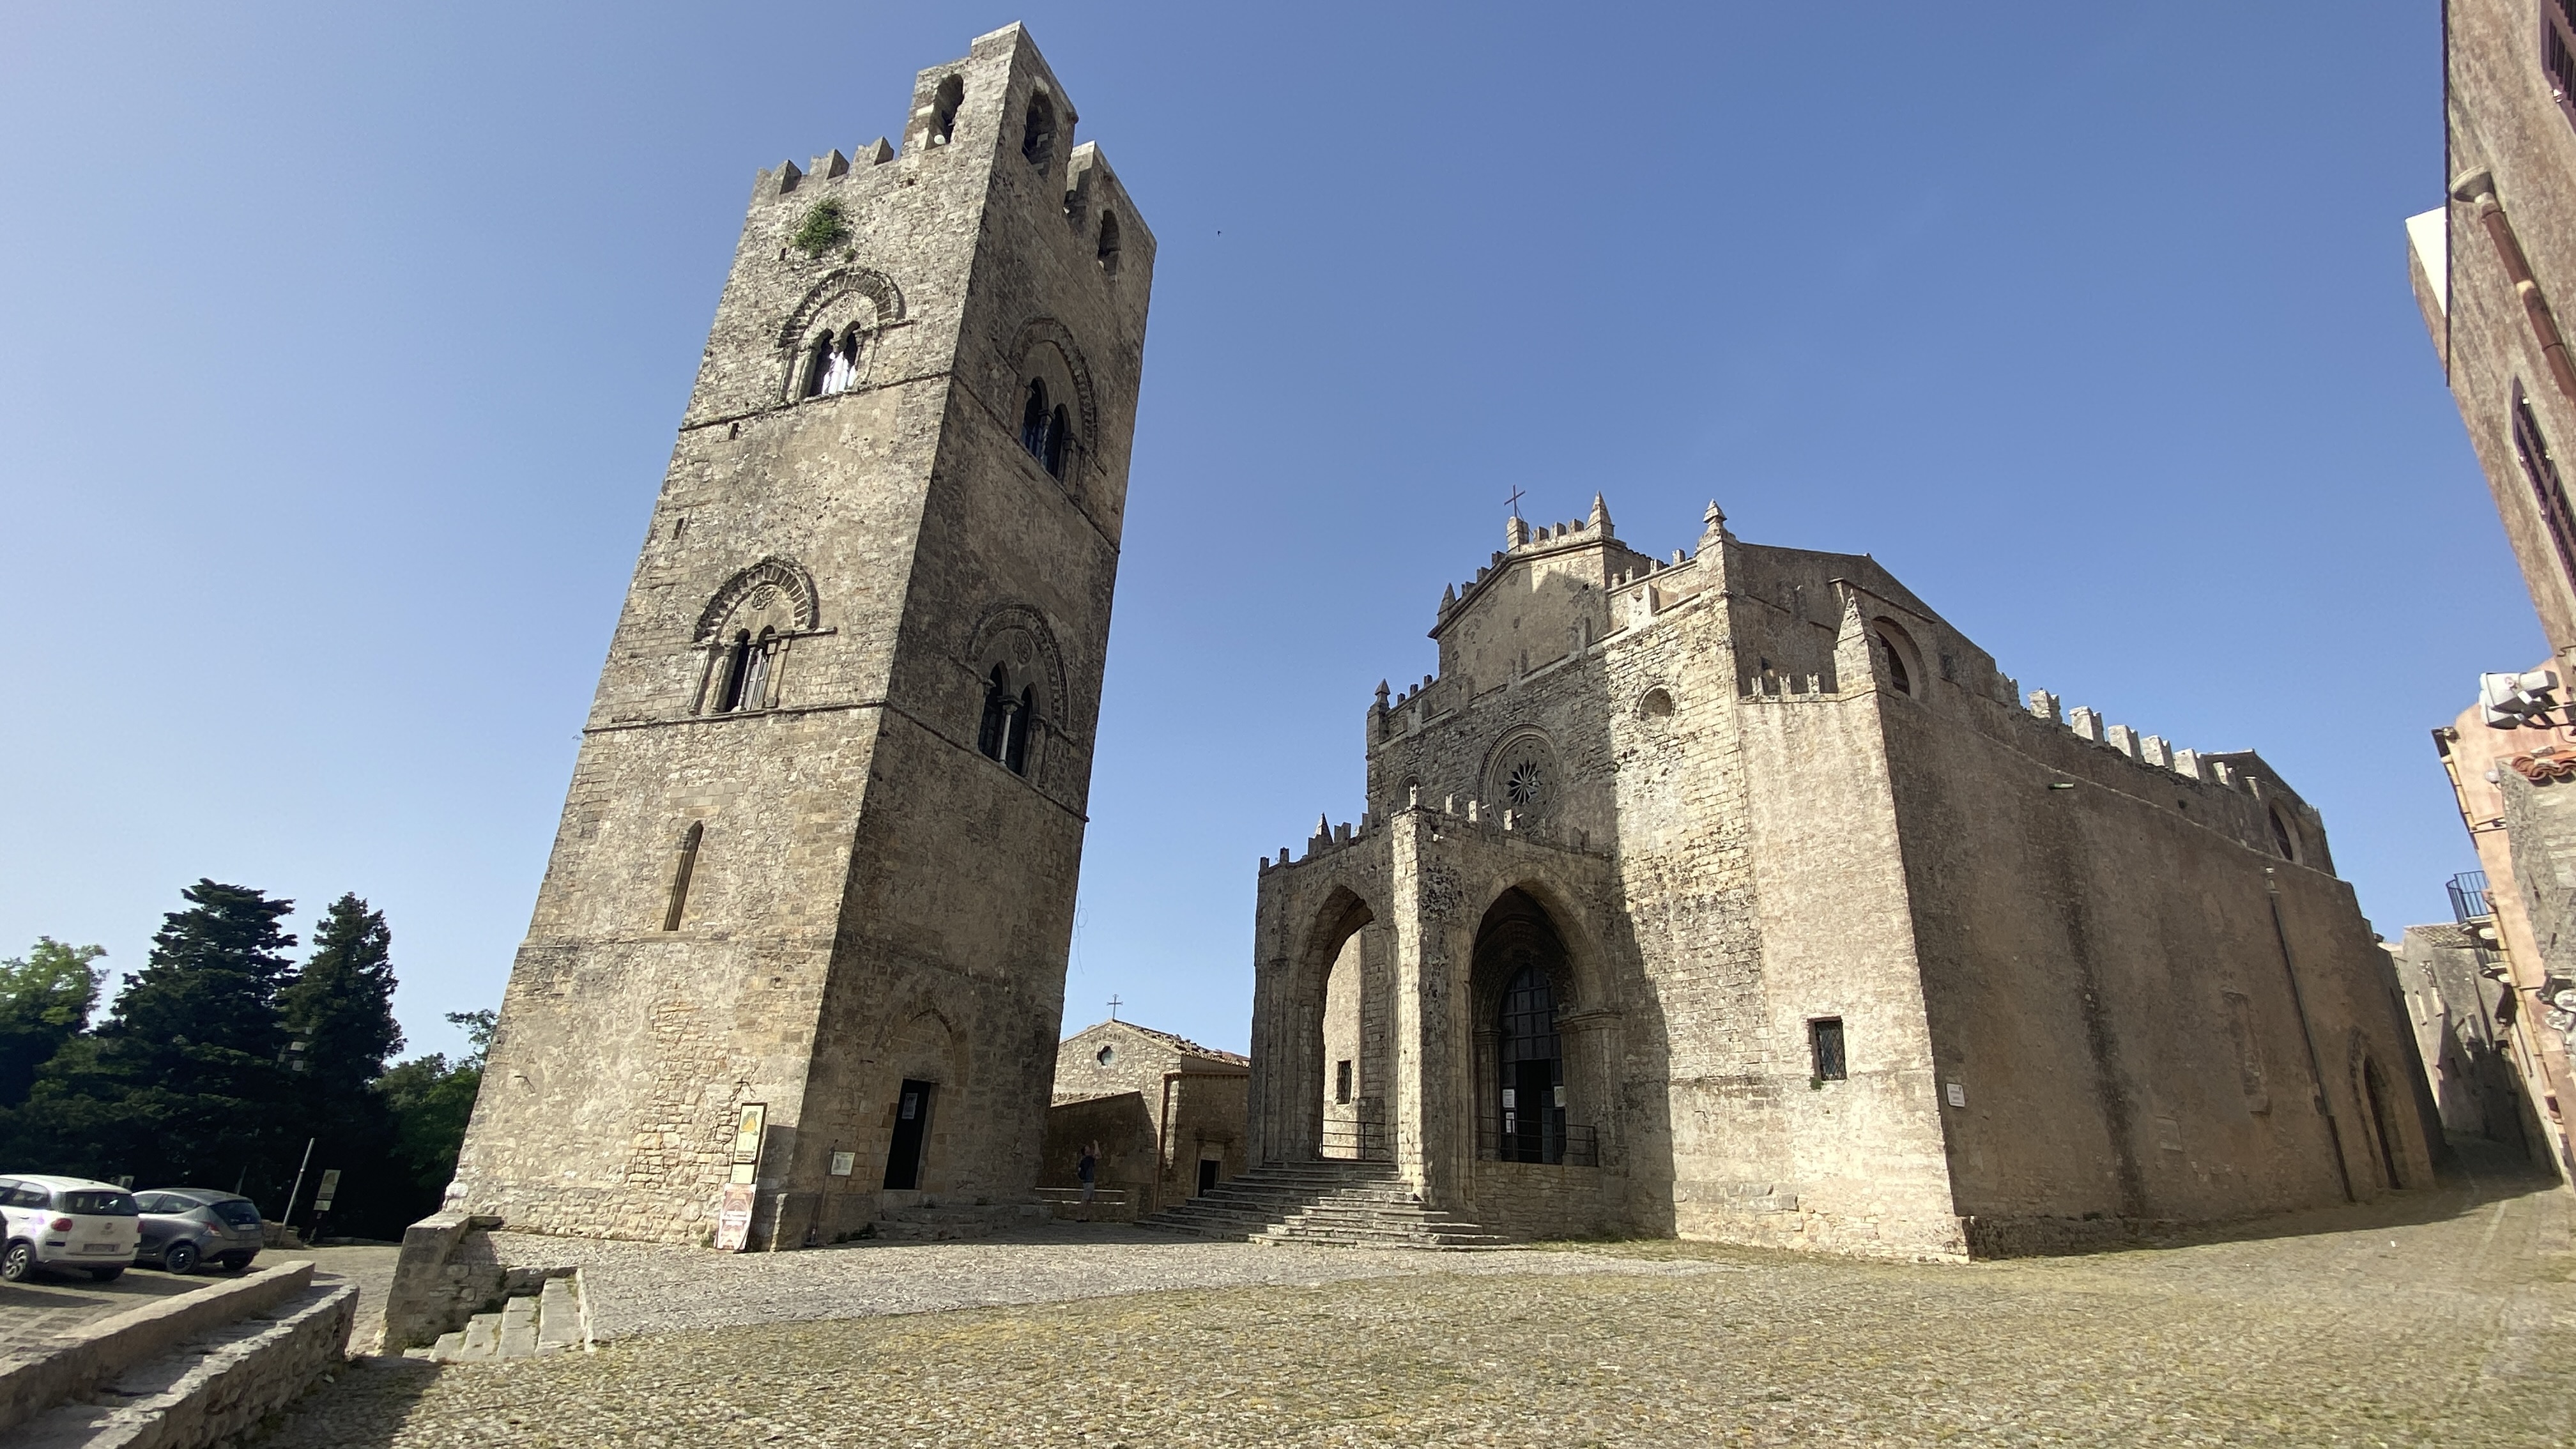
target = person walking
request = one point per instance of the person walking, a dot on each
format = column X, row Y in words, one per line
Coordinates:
column 1088, row 1169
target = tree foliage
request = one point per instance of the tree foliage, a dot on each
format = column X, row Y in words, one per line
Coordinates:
column 46, row 998
column 220, row 1060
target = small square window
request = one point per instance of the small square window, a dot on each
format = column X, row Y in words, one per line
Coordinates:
column 1341, row 1081
column 1825, row 1039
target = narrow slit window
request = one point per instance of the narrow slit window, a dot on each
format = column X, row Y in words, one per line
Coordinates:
column 1108, row 249
column 943, row 110
column 1825, row 1041
column 684, row 867
column 1342, row 1081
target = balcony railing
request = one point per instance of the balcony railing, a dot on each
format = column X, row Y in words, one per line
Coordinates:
column 2469, row 900
column 1543, row 1136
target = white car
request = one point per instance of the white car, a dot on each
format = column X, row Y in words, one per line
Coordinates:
column 66, row 1223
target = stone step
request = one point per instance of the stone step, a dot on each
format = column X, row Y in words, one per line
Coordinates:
column 1352, row 1204
column 528, row 1326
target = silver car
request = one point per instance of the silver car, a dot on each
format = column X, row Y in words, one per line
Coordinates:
column 185, row 1226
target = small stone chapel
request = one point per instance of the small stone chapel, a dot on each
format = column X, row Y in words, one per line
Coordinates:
column 1736, row 894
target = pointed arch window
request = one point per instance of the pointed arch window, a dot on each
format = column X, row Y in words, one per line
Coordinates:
column 1008, row 719
column 834, row 366
column 1037, row 140
column 1033, row 419
column 1108, row 249
column 1057, row 442
column 746, row 676
column 943, row 109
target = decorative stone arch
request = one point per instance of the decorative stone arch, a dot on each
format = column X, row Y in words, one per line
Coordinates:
column 1897, row 659
column 1015, row 658
column 1045, row 346
column 745, row 633
column 1524, row 773
column 1528, row 926
column 860, row 296
column 1330, row 967
column 794, row 589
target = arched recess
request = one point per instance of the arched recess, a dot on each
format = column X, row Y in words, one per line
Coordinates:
column 1015, row 652
column 922, row 1071
column 1045, row 349
column 745, row 633
column 859, row 298
column 1538, row 1088
column 794, row 589
column 1336, row 944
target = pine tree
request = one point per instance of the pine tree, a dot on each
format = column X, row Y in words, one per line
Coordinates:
column 185, row 1082
column 339, row 1011
column 341, row 1005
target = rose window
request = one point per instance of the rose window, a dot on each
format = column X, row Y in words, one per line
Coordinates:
column 1524, row 785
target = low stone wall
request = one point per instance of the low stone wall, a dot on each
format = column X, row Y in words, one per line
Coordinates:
column 2034, row 1237
column 1532, row 1200
column 219, row 1385
column 97, row 1352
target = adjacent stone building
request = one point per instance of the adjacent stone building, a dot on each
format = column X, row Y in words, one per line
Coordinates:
column 1736, row 894
column 1165, row 1112
column 804, row 931
column 2492, row 270
column 2460, row 1003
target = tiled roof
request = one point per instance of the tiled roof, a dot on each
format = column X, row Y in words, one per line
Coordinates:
column 2445, row 934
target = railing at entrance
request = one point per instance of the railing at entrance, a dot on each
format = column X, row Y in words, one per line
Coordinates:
column 1366, row 1141
column 1565, row 1144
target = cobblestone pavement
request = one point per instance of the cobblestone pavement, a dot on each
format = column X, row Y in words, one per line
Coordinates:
column 2444, row 1318
column 35, row 1313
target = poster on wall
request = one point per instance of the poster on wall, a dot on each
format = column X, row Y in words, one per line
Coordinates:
column 733, row 1218
column 746, row 1131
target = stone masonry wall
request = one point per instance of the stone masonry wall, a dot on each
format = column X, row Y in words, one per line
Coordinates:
column 869, row 898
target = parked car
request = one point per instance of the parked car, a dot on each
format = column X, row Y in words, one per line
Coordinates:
column 66, row 1223
column 185, row 1226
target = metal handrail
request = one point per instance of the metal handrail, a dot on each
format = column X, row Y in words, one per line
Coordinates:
column 1367, row 1141
column 1555, row 1142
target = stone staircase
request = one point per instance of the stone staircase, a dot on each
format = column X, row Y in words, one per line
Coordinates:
column 548, row 1321
column 1338, row 1202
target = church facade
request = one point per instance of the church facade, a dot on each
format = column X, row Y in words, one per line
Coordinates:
column 1737, row 895
column 799, row 954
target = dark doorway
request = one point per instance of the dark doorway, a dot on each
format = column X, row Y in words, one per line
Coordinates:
column 1533, row 1071
column 1207, row 1176
column 911, row 1124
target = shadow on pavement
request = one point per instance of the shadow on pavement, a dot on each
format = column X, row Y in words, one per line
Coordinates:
column 2478, row 1175
column 365, row 1407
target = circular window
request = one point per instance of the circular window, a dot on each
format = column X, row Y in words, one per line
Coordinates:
column 1105, row 1055
column 1523, row 778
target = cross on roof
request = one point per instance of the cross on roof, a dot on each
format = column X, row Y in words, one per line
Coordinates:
column 1516, row 503
column 1114, row 1004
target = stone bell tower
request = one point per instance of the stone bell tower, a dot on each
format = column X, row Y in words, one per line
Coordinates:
column 819, row 853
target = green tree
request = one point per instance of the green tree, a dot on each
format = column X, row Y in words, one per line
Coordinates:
column 339, row 1016
column 46, row 998
column 432, row 1100
column 185, row 1081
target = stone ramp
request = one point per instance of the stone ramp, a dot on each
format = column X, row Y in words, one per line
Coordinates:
column 1330, row 1202
column 217, row 1383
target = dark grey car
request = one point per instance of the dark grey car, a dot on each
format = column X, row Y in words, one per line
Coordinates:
column 185, row 1226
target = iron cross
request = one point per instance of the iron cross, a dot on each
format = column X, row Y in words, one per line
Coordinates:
column 1114, row 1004
column 1516, row 503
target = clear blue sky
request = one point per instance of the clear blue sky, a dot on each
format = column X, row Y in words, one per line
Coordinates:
column 341, row 348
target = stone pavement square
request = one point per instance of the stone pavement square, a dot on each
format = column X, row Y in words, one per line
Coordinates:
column 2444, row 1317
